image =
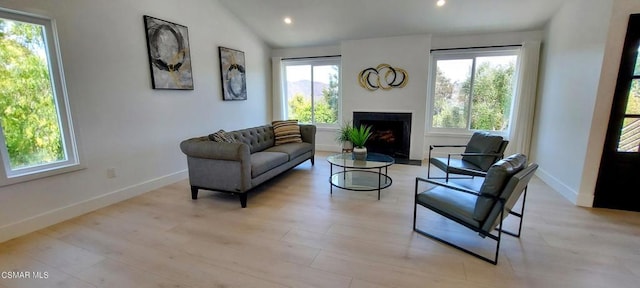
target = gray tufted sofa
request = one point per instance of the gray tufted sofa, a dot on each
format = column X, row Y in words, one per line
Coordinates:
column 238, row 167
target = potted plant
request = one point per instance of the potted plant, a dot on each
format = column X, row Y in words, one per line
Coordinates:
column 359, row 136
column 344, row 137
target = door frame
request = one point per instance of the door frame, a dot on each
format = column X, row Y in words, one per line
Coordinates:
column 612, row 160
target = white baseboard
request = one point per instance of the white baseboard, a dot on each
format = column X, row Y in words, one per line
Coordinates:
column 55, row 216
column 558, row 186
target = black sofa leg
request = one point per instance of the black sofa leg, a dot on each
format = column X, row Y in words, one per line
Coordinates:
column 194, row 192
column 313, row 160
column 243, row 200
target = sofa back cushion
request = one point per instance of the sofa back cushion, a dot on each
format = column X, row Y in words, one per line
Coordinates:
column 258, row 138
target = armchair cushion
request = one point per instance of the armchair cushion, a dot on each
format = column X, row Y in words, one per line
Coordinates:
column 445, row 201
column 456, row 166
column 483, row 142
column 495, row 182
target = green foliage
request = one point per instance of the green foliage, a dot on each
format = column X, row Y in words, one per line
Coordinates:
column 490, row 102
column 359, row 135
column 27, row 107
column 330, row 94
column 449, row 107
column 633, row 102
column 300, row 108
column 326, row 108
column 344, row 132
column 637, row 67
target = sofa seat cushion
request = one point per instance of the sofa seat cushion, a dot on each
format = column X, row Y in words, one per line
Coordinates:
column 262, row 162
column 292, row 149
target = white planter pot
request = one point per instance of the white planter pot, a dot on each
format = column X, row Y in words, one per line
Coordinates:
column 347, row 146
column 360, row 153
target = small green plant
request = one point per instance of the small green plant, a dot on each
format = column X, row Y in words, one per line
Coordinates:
column 344, row 132
column 359, row 135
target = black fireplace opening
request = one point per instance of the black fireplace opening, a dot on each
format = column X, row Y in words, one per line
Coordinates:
column 390, row 134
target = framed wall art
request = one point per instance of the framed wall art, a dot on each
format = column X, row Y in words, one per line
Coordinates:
column 232, row 72
column 169, row 55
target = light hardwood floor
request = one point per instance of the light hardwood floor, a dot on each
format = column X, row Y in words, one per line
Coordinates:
column 294, row 234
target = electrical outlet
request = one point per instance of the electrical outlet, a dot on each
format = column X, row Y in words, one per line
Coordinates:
column 111, row 173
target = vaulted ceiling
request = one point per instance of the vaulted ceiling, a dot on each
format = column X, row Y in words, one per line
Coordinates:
column 327, row 22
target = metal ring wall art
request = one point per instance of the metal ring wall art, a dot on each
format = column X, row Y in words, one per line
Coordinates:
column 383, row 77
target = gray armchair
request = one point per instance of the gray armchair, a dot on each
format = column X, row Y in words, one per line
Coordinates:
column 482, row 150
column 481, row 210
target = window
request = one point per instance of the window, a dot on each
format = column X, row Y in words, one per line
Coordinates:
column 472, row 89
column 630, row 132
column 312, row 90
column 36, row 138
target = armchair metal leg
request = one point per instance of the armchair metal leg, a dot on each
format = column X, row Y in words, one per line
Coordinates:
column 493, row 261
column 520, row 216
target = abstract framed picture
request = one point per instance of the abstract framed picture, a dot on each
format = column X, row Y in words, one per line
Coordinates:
column 169, row 55
column 232, row 72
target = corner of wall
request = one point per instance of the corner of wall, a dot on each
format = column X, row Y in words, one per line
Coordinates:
column 558, row 186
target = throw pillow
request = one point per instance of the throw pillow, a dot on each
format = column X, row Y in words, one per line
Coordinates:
column 221, row 136
column 286, row 131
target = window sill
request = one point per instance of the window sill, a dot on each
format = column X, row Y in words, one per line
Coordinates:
column 5, row 181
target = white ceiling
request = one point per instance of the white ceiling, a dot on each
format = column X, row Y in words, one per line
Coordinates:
column 327, row 22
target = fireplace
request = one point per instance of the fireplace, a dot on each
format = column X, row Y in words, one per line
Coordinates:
column 391, row 133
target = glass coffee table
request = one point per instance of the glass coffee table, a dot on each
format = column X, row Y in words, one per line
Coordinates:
column 360, row 175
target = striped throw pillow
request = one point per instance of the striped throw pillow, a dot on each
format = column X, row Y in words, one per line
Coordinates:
column 221, row 136
column 286, row 131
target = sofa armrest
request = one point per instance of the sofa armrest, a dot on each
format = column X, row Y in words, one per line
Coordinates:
column 205, row 148
column 308, row 133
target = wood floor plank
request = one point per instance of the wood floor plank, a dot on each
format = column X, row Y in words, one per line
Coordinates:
column 33, row 273
column 266, row 266
column 295, row 234
column 393, row 276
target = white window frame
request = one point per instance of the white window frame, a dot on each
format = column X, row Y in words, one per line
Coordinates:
column 71, row 163
column 313, row 61
column 455, row 54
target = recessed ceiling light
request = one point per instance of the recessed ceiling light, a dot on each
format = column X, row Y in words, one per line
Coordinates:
column 441, row 3
column 288, row 20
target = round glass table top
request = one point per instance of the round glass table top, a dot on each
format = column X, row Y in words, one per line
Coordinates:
column 374, row 160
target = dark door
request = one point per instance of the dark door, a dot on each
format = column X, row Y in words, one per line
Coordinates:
column 618, row 185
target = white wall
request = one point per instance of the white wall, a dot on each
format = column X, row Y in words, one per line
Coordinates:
column 410, row 53
column 572, row 58
column 407, row 52
column 608, row 77
column 120, row 121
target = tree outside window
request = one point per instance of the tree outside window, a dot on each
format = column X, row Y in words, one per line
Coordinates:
column 473, row 92
column 312, row 90
column 36, row 138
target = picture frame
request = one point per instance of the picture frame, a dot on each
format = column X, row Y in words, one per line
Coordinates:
column 169, row 54
column 233, row 74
